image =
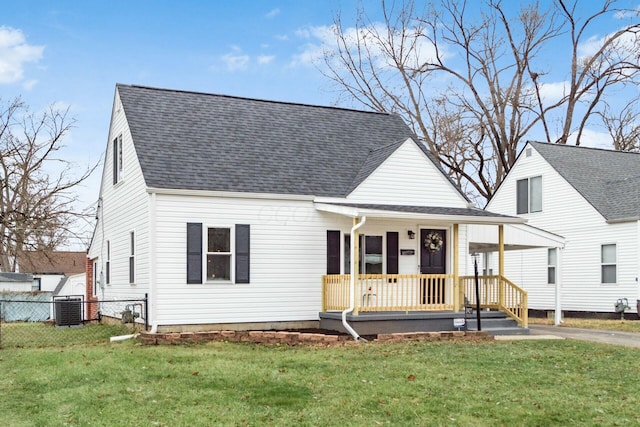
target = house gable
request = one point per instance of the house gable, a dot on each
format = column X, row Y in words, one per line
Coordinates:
column 609, row 180
column 407, row 176
column 198, row 141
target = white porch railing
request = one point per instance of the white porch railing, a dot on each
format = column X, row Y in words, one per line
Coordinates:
column 390, row 292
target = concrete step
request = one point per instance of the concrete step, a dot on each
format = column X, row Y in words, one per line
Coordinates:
column 496, row 324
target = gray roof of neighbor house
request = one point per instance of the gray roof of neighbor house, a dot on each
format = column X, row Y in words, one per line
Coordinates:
column 609, row 180
column 15, row 277
column 199, row 141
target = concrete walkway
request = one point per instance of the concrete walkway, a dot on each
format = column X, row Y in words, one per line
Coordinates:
column 628, row 339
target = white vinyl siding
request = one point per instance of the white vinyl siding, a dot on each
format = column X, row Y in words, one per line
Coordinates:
column 408, row 177
column 123, row 208
column 288, row 259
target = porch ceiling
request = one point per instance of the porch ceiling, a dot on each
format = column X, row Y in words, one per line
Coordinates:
column 425, row 213
column 484, row 238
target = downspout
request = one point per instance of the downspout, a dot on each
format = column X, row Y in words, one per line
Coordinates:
column 151, row 300
column 352, row 282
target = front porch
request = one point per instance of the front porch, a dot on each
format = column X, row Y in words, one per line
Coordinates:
column 423, row 302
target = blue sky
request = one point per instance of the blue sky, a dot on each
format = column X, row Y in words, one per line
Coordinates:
column 72, row 53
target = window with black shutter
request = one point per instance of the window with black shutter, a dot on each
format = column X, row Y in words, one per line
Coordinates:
column 333, row 252
column 194, row 252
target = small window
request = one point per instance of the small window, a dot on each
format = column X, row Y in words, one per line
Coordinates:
column 36, row 286
column 373, row 255
column 608, row 260
column 117, row 159
column 108, row 267
column 529, row 195
column 487, row 263
column 132, row 257
column 95, row 278
column 552, row 263
column 219, row 254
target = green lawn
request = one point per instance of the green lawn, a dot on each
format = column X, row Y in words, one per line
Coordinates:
column 526, row 383
column 626, row 325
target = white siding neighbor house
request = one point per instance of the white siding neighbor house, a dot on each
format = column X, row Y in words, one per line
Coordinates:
column 591, row 197
column 241, row 213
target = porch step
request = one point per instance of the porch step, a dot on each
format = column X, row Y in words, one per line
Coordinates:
column 495, row 323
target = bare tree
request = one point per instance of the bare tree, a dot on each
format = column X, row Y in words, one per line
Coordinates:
column 475, row 84
column 623, row 126
column 36, row 201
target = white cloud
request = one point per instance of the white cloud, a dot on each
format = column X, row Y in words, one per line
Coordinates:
column 265, row 59
column 553, row 92
column 235, row 62
column 623, row 14
column 323, row 39
column 15, row 52
column 29, row 84
column 592, row 138
column 272, row 13
column 628, row 41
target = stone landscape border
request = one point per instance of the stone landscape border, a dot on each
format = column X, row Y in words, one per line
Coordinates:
column 301, row 338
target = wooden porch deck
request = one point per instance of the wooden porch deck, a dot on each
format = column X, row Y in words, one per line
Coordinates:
column 387, row 322
column 421, row 297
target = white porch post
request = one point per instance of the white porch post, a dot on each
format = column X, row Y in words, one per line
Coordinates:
column 501, row 262
column 355, row 243
column 456, row 278
column 557, row 318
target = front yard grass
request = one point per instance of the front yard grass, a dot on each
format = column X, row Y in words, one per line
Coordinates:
column 604, row 324
column 522, row 383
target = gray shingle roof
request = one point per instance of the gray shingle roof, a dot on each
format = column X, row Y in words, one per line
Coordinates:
column 609, row 180
column 198, row 141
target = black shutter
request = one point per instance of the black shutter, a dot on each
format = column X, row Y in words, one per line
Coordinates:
column 194, row 252
column 243, row 249
column 392, row 252
column 333, row 252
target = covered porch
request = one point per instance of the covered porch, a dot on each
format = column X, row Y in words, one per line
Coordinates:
column 437, row 298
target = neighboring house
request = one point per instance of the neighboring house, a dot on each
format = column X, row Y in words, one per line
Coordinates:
column 591, row 197
column 16, row 282
column 73, row 285
column 239, row 213
column 51, row 269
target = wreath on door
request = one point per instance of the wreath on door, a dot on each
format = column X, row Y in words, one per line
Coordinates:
column 433, row 242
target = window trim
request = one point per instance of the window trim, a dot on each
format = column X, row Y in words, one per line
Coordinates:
column 94, row 290
column 552, row 266
column 231, row 254
column 529, row 181
column 132, row 257
column 108, row 264
column 117, row 159
column 608, row 264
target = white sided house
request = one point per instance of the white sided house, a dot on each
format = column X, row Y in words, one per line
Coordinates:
column 591, row 197
column 235, row 213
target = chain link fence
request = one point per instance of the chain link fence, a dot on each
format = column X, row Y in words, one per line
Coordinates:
column 40, row 320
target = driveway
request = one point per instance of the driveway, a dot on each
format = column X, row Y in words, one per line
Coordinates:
column 628, row 339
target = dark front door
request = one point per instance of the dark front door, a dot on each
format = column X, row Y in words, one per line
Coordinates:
column 433, row 260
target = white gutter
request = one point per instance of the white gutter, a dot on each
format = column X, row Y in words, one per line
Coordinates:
column 352, row 282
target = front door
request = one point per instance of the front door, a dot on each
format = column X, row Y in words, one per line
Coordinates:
column 433, row 260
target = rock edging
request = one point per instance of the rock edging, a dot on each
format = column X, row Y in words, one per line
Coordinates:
column 299, row 338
